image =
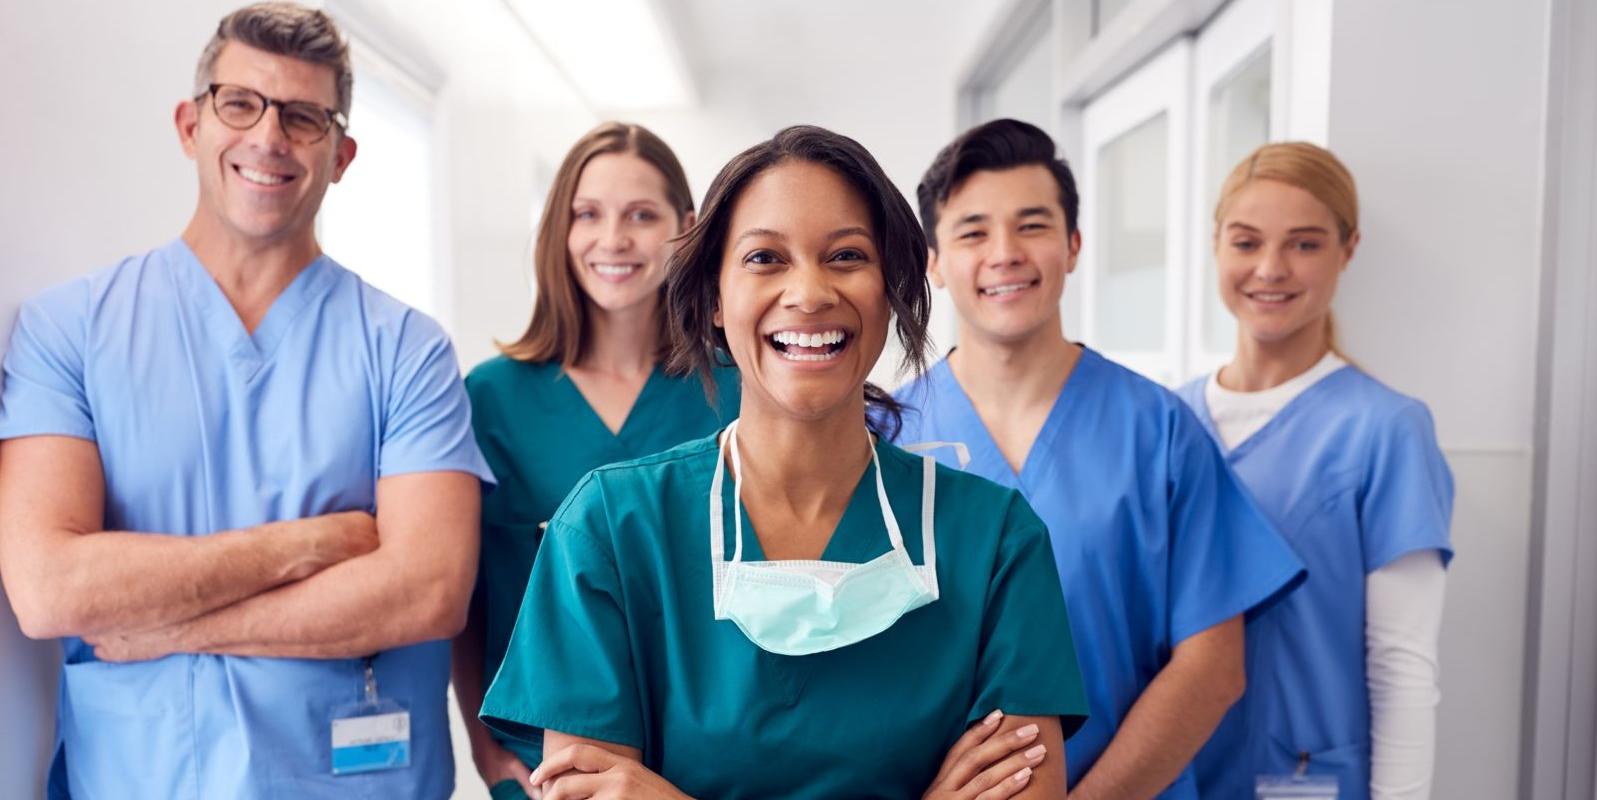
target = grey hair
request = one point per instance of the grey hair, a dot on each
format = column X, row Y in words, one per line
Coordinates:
column 286, row 29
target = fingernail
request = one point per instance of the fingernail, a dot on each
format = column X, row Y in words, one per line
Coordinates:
column 1026, row 732
column 1036, row 753
column 1023, row 775
column 993, row 718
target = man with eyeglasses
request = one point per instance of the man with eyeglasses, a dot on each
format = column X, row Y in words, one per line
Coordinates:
column 237, row 481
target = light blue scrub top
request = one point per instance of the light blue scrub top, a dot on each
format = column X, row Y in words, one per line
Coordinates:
column 618, row 640
column 1351, row 474
column 203, row 428
column 1153, row 538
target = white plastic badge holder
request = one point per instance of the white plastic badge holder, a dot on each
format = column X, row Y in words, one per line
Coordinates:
column 1295, row 787
column 371, row 735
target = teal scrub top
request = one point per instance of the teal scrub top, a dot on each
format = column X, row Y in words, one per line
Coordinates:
column 538, row 432
column 618, row 640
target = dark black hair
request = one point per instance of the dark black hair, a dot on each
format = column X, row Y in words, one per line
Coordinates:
column 997, row 145
column 693, row 272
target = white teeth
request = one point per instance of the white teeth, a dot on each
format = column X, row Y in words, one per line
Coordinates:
column 1270, row 297
column 797, row 339
column 263, row 178
column 615, row 269
column 817, row 357
column 1008, row 288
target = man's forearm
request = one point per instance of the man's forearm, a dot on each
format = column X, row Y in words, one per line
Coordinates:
column 111, row 582
column 414, row 587
column 1172, row 719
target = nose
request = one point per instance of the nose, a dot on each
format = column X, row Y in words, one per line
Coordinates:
column 809, row 289
column 616, row 239
column 267, row 134
column 1006, row 250
column 1272, row 266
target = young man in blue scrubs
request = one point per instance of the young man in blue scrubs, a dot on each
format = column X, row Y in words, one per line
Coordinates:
column 1159, row 552
column 237, row 481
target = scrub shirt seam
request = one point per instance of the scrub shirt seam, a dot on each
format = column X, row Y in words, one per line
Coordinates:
column 541, row 722
column 1285, row 580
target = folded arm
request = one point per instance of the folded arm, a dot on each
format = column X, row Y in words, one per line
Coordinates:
column 1174, row 716
column 414, row 587
column 66, row 576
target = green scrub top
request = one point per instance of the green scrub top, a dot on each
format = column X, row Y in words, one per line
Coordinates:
column 540, row 437
column 617, row 639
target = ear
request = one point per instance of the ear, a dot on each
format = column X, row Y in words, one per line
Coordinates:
column 186, row 118
column 1352, row 245
column 933, row 270
column 689, row 219
column 346, row 154
column 1074, row 243
column 715, row 318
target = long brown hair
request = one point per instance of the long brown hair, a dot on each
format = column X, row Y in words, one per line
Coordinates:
column 559, row 327
column 1311, row 168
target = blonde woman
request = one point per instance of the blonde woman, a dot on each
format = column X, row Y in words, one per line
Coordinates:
column 1342, row 674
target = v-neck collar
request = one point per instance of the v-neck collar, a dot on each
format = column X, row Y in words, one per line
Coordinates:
column 634, row 414
column 863, row 511
column 249, row 352
column 1292, row 407
column 970, row 419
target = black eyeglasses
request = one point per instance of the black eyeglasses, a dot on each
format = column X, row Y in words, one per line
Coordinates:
column 303, row 123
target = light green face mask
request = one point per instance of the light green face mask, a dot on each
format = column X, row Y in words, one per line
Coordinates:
column 796, row 608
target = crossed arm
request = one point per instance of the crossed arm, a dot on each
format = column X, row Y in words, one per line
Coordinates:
column 333, row 586
column 1174, row 716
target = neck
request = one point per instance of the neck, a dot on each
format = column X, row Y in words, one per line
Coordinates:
column 1005, row 376
column 622, row 342
column 1260, row 365
column 250, row 274
column 807, row 465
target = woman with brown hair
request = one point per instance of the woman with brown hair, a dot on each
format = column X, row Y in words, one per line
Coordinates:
column 793, row 607
column 1342, row 674
column 583, row 387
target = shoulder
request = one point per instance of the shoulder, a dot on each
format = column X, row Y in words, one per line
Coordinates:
column 502, row 372
column 965, row 493
column 1152, row 409
column 1385, row 414
column 640, row 484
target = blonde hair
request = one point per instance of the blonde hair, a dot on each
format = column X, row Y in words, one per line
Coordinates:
column 1311, row 168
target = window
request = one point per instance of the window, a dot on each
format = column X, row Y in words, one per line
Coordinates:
column 379, row 220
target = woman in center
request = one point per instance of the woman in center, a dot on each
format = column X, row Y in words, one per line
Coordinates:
column 794, row 607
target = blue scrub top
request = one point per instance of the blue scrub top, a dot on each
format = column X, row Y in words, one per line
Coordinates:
column 201, row 428
column 1351, row 474
column 1153, row 538
column 618, row 639
column 541, row 436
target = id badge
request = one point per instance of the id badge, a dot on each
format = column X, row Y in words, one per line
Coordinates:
column 1295, row 787
column 371, row 735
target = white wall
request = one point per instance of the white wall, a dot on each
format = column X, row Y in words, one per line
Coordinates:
column 95, row 174
column 1438, row 110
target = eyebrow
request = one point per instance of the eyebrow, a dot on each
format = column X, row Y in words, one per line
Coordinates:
column 831, row 237
column 639, row 201
column 1301, row 229
column 1029, row 211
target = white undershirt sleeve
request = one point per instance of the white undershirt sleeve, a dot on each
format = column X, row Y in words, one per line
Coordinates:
column 1403, row 620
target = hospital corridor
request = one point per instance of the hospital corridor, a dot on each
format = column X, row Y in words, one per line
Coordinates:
column 976, row 399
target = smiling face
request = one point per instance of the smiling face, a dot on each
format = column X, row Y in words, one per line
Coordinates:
column 257, row 187
column 1003, row 251
column 621, row 220
column 802, row 299
column 1279, row 255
